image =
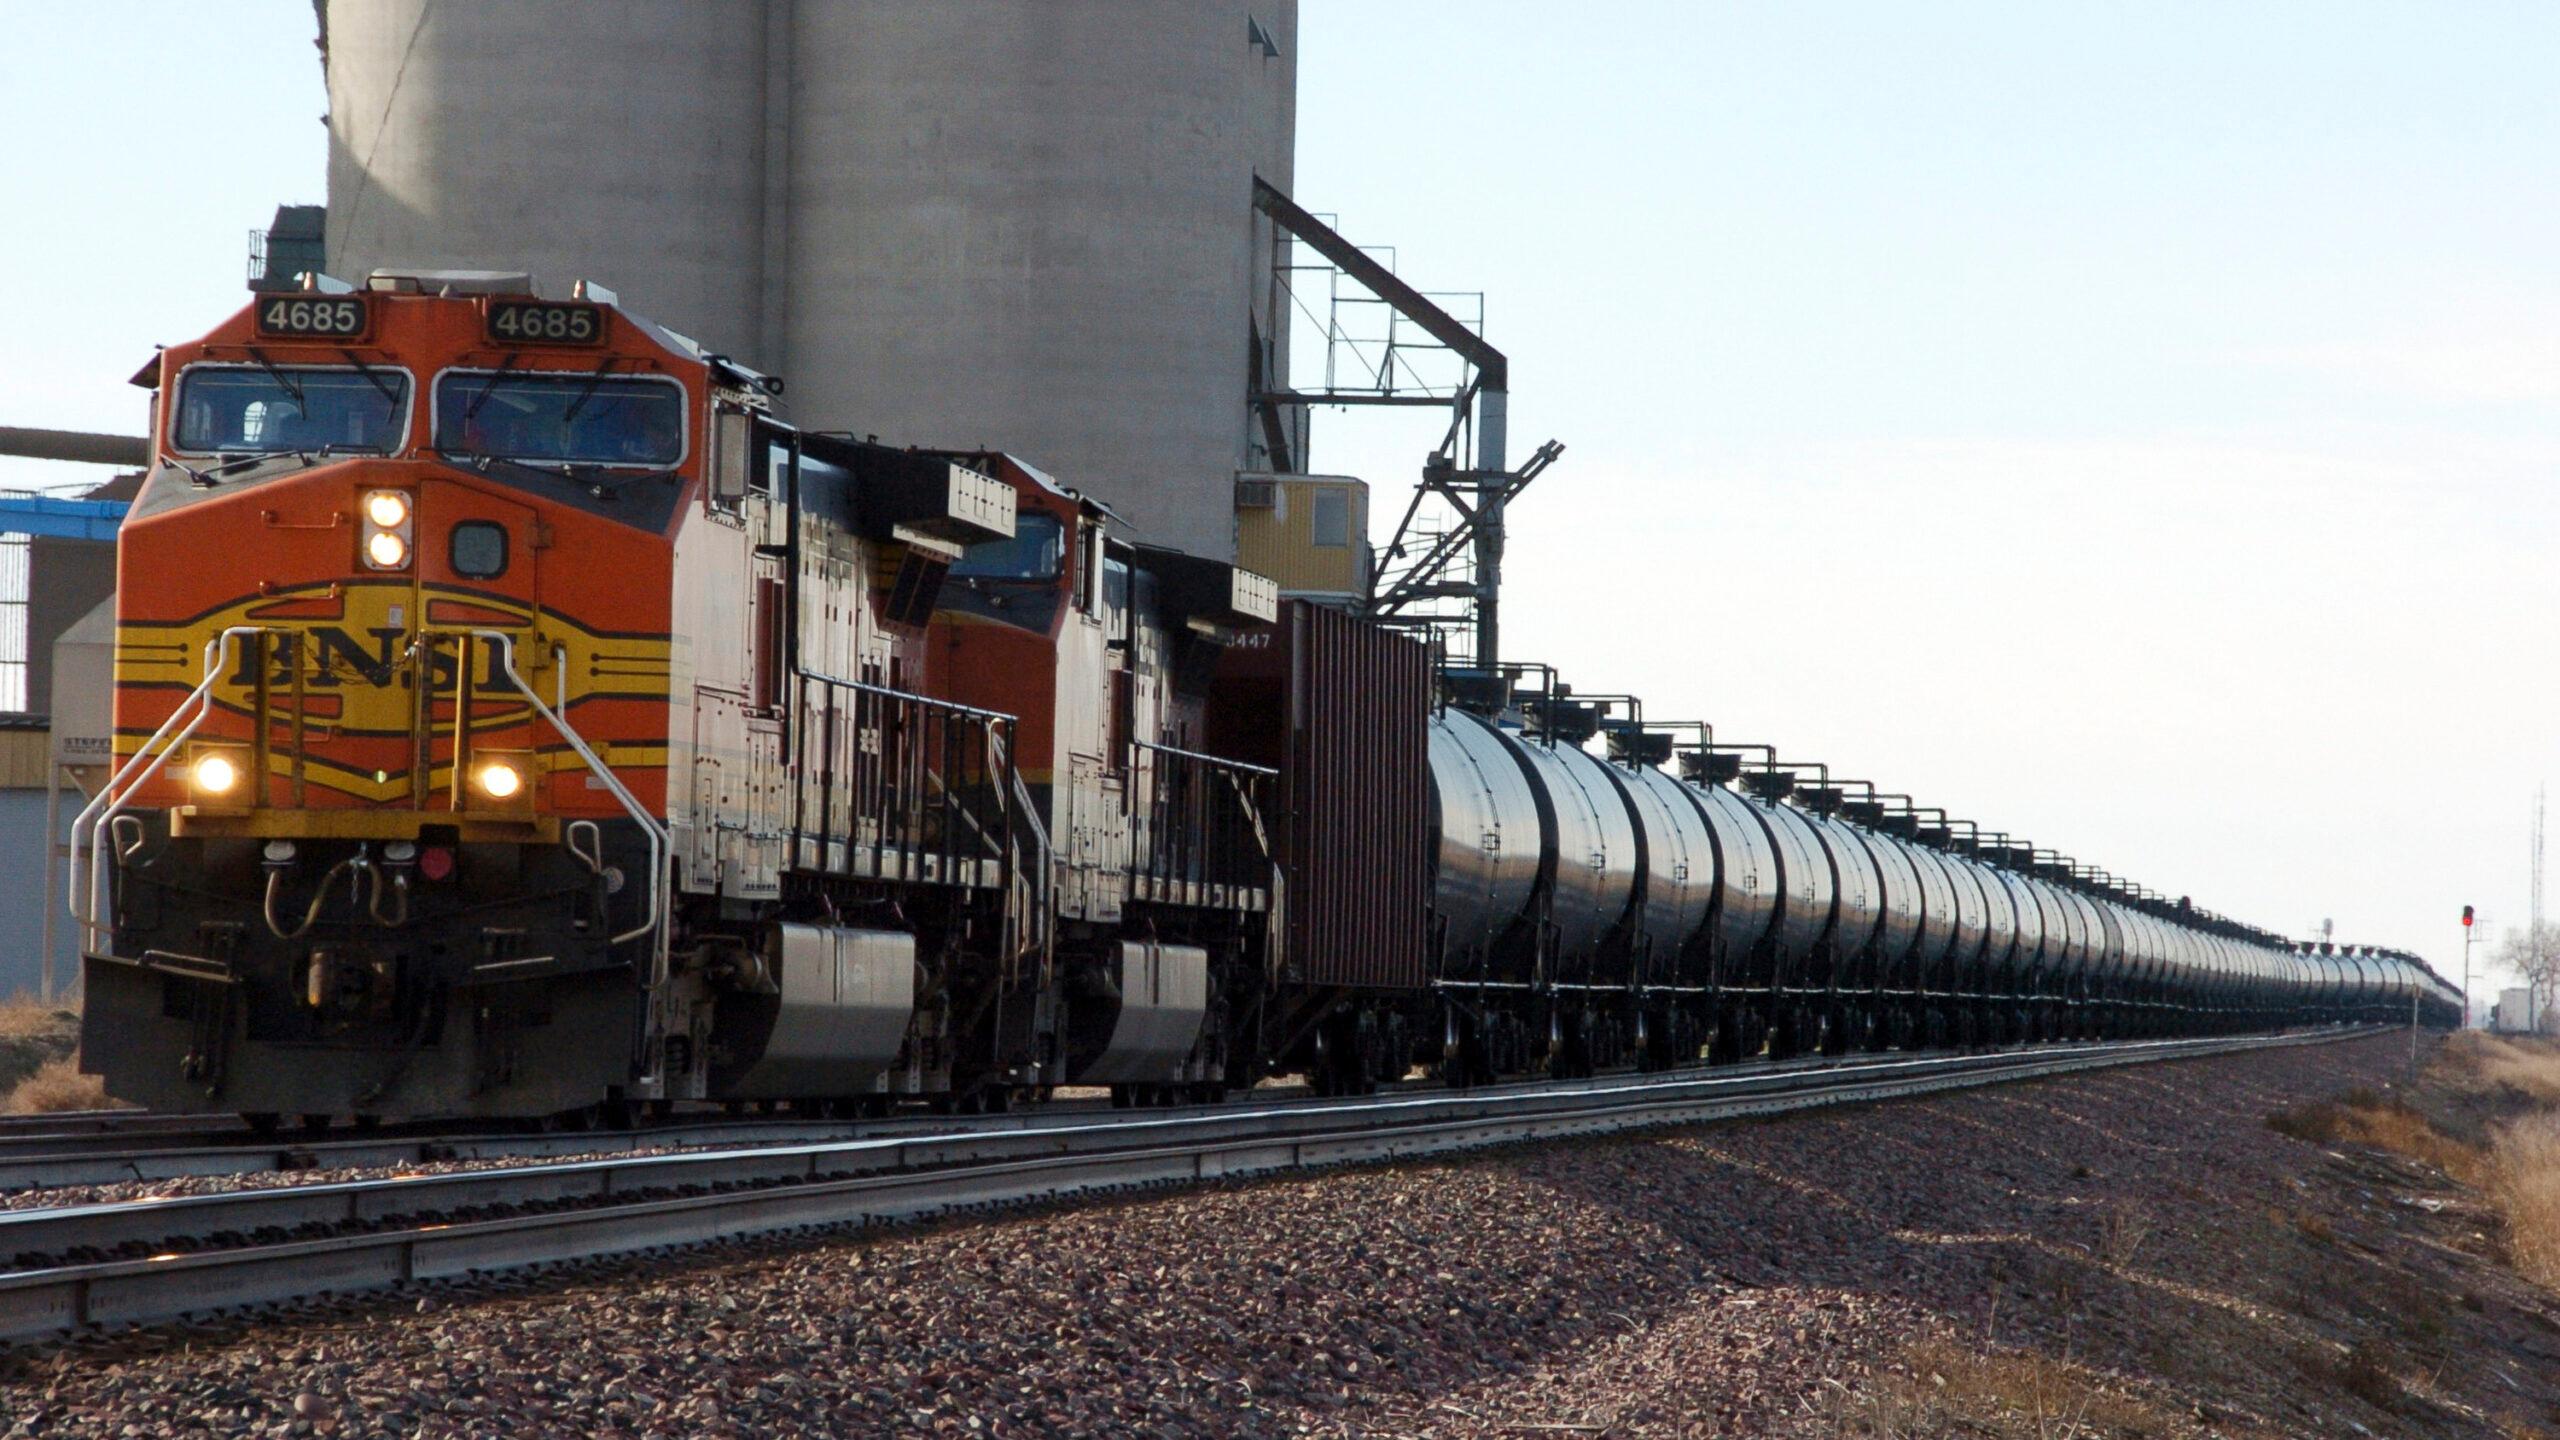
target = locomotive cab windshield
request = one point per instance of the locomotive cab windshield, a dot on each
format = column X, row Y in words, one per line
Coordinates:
column 270, row 409
column 1035, row 552
column 635, row 421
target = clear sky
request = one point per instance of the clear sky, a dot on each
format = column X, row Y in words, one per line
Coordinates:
column 2132, row 427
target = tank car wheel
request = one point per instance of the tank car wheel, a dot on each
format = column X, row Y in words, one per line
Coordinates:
column 315, row 1124
column 1791, row 1033
column 1873, row 1034
column 262, row 1122
column 366, row 1124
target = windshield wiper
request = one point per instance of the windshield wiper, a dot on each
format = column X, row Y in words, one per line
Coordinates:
column 506, row 372
column 588, row 392
column 389, row 395
column 282, row 381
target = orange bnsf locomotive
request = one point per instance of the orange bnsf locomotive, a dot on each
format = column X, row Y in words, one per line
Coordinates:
column 514, row 718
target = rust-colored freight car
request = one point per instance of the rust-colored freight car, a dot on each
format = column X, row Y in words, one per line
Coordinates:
column 1338, row 706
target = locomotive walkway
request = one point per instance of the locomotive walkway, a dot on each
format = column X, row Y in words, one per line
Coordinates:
column 75, row 1270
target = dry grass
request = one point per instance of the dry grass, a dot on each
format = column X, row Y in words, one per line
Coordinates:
column 2121, row 1234
column 2524, row 1181
column 59, row 1086
column 2363, row 1118
column 2475, row 1079
column 2478, row 1061
column 1949, row 1391
column 24, row 1016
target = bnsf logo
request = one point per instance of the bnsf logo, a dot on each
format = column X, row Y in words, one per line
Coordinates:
column 380, row 658
column 365, row 681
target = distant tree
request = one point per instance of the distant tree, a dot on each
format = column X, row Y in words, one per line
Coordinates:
column 2534, row 953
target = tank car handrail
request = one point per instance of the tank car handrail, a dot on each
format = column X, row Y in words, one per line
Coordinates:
column 657, row 922
column 102, row 811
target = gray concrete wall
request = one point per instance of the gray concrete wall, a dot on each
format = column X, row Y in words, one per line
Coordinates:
column 23, row 896
column 612, row 140
column 1017, row 223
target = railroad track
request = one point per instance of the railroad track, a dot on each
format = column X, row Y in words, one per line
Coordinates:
column 92, row 1148
column 81, row 1268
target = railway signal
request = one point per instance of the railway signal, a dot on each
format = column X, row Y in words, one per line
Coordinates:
column 2466, row 968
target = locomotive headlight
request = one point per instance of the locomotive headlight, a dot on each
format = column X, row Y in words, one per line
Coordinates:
column 504, row 779
column 217, row 775
column 388, row 520
column 499, row 782
column 218, row 778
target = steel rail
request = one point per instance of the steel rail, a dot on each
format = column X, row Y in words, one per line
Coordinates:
column 855, row 1183
column 42, row 1157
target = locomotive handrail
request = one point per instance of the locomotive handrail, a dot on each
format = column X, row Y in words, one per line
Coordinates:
column 505, row 649
column 1185, row 836
column 953, row 706
column 102, row 811
column 1220, row 761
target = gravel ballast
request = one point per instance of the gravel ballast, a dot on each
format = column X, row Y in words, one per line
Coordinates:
column 1735, row 1280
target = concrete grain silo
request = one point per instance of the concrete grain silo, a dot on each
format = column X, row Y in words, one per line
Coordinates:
column 617, row 140
column 1025, row 224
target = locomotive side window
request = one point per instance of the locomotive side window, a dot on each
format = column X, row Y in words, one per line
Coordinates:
column 479, row 549
column 1115, row 601
column 1034, row 553
column 1088, row 569
column 254, row 410
column 575, row 419
column 733, row 429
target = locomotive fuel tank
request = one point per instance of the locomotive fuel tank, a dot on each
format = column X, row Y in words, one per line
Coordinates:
column 841, row 1001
